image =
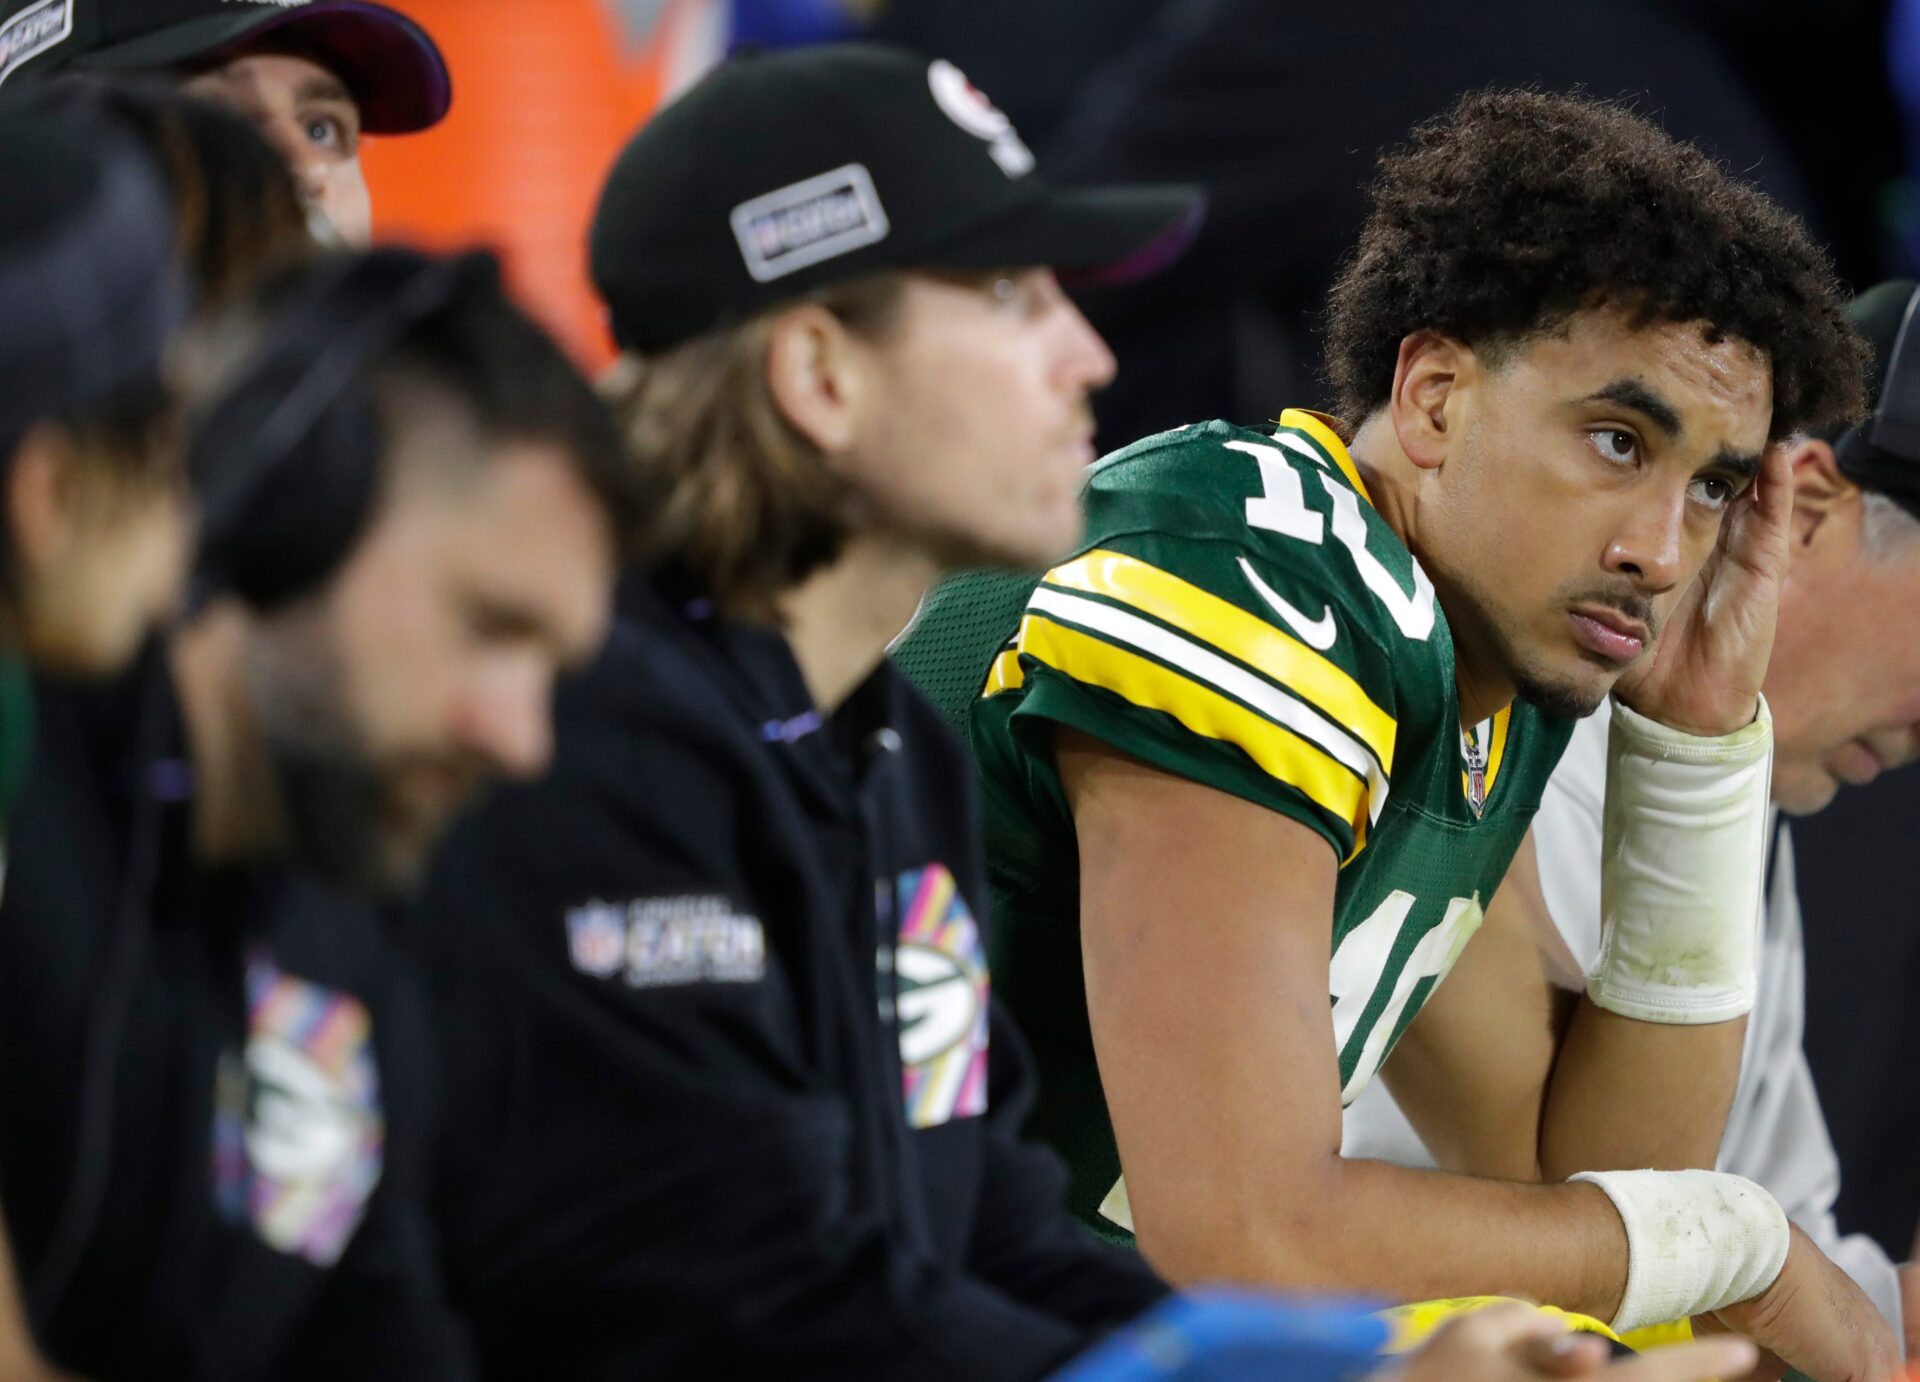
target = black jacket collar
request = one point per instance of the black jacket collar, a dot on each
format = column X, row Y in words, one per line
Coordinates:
column 755, row 664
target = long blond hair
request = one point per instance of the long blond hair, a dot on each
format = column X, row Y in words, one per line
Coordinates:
column 750, row 506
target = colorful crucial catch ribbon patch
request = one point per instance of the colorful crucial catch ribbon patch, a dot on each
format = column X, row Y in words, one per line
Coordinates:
column 940, row 966
column 298, row 1134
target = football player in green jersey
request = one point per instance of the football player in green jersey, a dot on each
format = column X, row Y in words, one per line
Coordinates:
column 1259, row 758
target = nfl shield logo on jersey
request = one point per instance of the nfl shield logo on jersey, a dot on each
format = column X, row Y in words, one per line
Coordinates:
column 597, row 938
column 1475, row 763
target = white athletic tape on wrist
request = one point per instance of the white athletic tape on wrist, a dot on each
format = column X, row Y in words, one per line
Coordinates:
column 1683, row 840
column 1697, row 1241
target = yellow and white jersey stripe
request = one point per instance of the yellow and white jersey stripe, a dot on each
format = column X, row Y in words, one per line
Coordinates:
column 1117, row 622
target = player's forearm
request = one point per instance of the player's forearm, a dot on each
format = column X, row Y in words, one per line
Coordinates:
column 1647, row 1071
column 1627, row 1094
column 1376, row 1229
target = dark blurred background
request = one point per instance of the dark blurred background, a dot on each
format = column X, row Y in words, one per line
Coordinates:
column 1279, row 108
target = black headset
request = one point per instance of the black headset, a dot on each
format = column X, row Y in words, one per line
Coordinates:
column 286, row 463
column 287, row 460
column 1882, row 453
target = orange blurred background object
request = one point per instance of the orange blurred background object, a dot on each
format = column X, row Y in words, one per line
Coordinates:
column 545, row 92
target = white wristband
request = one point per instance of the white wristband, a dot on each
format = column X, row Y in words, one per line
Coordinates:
column 1682, row 843
column 1697, row 1241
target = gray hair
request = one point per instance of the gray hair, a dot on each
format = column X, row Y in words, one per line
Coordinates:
column 1885, row 527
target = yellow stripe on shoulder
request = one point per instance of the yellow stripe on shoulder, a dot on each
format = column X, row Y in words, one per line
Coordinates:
column 1279, row 752
column 1006, row 674
column 1223, row 625
column 1320, row 427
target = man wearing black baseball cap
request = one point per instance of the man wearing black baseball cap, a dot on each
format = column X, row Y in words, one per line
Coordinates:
column 785, row 177
column 313, row 75
column 721, row 1103
column 729, row 1097
column 94, row 538
column 93, row 521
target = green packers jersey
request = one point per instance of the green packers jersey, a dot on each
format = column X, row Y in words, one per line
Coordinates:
column 1239, row 615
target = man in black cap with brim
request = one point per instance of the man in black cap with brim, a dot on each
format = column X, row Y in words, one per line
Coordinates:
column 93, row 522
column 728, row 1095
column 313, row 75
column 89, row 293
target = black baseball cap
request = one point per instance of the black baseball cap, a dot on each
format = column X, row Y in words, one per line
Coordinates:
column 388, row 62
column 1882, row 451
column 780, row 173
column 89, row 291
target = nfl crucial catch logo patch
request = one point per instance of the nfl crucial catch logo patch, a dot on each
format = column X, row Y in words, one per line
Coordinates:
column 940, row 968
column 298, row 1132
column 815, row 219
column 35, row 30
column 662, row 942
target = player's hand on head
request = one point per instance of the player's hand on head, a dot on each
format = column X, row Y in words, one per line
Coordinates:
column 1516, row 1343
column 1704, row 671
column 1814, row 1318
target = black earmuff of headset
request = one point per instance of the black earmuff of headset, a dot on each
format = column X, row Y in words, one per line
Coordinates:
column 1883, row 452
column 287, row 461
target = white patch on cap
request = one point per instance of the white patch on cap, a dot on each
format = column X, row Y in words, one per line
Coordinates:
column 967, row 106
column 33, row 31
column 277, row 4
column 805, row 222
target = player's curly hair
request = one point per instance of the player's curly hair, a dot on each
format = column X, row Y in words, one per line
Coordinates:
column 1515, row 210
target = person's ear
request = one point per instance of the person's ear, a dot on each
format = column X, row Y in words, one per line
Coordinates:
column 816, row 374
column 1824, row 500
column 1426, row 401
column 37, row 491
